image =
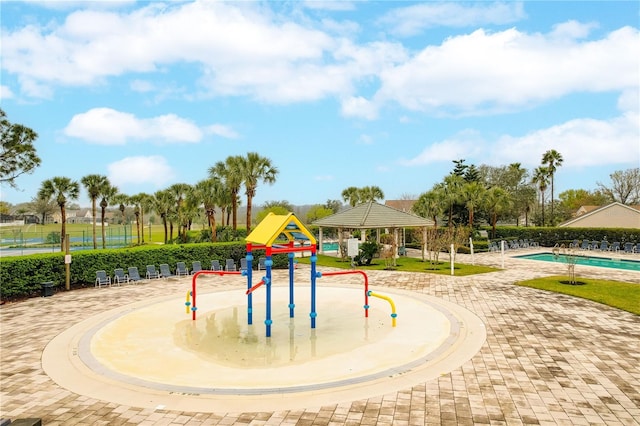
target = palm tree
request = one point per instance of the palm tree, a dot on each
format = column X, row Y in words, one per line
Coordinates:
column 552, row 159
column 253, row 169
column 108, row 193
column 178, row 193
column 135, row 200
column 430, row 204
column 351, row 195
column 61, row 189
column 497, row 201
column 93, row 185
column 473, row 193
column 141, row 202
column 541, row 178
column 162, row 203
column 370, row 193
column 230, row 173
column 208, row 192
column 123, row 201
column 451, row 193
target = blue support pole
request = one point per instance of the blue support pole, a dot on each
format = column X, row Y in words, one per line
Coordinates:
column 268, row 263
column 292, row 304
column 313, row 313
column 249, row 279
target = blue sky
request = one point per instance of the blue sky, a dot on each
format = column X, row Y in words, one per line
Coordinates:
column 335, row 93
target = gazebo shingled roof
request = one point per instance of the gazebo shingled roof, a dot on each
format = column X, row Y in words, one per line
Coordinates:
column 372, row 215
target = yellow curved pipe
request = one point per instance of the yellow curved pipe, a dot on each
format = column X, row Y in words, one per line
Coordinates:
column 393, row 306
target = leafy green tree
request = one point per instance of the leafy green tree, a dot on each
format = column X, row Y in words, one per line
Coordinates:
column 552, row 159
column 254, row 169
column 573, row 199
column 94, row 184
column 333, row 205
column 287, row 206
column 318, row 211
column 275, row 209
column 17, row 153
column 61, row 189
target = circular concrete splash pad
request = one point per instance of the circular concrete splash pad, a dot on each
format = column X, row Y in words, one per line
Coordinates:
column 153, row 355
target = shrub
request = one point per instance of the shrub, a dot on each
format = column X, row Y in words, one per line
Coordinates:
column 21, row 276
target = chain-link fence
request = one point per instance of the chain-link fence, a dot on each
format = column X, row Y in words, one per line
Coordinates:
column 45, row 239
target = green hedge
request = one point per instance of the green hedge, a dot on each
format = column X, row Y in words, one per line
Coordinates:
column 549, row 237
column 22, row 276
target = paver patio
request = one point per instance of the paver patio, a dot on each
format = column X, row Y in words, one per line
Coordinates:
column 547, row 359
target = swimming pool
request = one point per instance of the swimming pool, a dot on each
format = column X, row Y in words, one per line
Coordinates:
column 330, row 246
column 604, row 262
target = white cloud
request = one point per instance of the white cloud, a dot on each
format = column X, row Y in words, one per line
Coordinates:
column 333, row 5
column 74, row 4
column 110, row 127
column 239, row 48
column 582, row 142
column 482, row 73
column 412, row 20
column 357, row 106
column 140, row 170
column 223, row 131
column 465, row 144
column 142, row 86
column 629, row 100
column 5, row 92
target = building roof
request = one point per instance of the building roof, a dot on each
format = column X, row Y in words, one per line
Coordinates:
column 274, row 225
column 372, row 215
column 614, row 215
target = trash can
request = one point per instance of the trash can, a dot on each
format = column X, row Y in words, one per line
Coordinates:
column 47, row 289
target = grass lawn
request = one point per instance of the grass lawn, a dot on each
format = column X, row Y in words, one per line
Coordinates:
column 405, row 264
column 621, row 295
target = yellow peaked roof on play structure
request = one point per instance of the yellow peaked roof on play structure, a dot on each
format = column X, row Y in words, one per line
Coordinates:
column 274, row 225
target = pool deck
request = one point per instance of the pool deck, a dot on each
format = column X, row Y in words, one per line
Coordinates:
column 547, row 359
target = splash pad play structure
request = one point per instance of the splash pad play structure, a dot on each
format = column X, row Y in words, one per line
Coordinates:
column 147, row 354
column 264, row 238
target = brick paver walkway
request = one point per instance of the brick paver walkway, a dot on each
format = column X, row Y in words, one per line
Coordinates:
column 548, row 359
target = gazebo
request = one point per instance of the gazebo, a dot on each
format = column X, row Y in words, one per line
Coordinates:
column 371, row 215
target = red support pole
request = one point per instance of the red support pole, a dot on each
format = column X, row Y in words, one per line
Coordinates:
column 255, row 287
column 366, row 285
column 193, row 286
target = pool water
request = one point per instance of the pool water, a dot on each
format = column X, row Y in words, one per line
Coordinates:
column 604, row 262
column 330, row 246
